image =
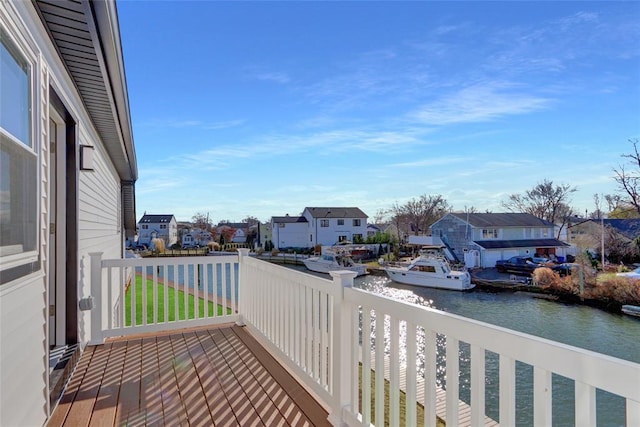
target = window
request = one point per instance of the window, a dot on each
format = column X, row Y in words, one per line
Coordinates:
column 163, row 226
column 324, row 223
column 145, row 227
column 489, row 233
column 18, row 166
column 356, row 223
column 281, row 225
column 357, row 238
column 341, row 222
column 342, row 238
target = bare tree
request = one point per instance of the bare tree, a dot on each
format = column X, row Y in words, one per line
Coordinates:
column 421, row 212
column 201, row 220
column 380, row 216
column 629, row 180
column 545, row 201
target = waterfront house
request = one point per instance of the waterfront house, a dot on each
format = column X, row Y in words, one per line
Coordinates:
column 488, row 237
column 196, row 237
column 235, row 232
column 589, row 234
column 290, row 232
column 68, row 168
column 372, row 230
column 319, row 226
column 264, row 234
column 163, row 227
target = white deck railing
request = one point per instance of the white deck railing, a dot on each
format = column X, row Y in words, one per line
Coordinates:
column 326, row 332
column 178, row 292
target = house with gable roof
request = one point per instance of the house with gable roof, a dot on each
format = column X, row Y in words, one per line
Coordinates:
column 290, row 232
column 489, row 237
column 164, row 227
column 319, row 226
column 588, row 233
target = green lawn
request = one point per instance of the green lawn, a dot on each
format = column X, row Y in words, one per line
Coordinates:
column 172, row 297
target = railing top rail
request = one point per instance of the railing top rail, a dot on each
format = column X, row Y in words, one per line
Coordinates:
column 151, row 261
column 286, row 274
column 605, row 372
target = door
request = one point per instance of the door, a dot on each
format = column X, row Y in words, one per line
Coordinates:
column 57, row 226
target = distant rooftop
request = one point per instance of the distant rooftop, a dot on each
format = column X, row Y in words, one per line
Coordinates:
column 507, row 219
column 155, row 219
column 336, row 212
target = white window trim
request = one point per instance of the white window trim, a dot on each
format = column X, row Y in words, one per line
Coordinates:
column 25, row 45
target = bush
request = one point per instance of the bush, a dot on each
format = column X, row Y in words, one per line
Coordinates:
column 545, row 277
column 619, row 289
column 549, row 280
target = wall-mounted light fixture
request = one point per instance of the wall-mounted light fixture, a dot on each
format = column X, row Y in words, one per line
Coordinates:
column 86, row 157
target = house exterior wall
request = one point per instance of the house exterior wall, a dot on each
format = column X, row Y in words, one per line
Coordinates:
column 265, row 233
column 454, row 233
column 169, row 233
column 333, row 232
column 24, row 340
column 290, row 235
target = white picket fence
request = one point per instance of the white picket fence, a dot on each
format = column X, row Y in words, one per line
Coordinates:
column 326, row 332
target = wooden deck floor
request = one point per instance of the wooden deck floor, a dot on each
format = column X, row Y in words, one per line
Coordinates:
column 214, row 376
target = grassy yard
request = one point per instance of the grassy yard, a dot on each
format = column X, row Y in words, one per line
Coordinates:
column 174, row 297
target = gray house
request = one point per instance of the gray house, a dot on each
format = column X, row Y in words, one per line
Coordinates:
column 163, row 227
column 480, row 239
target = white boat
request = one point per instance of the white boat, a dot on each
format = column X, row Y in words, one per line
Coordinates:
column 430, row 269
column 631, row 310
column 333, row 261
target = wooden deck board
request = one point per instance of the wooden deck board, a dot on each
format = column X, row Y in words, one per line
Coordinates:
column 203, row 376
column 67, row 399
column 104, row 410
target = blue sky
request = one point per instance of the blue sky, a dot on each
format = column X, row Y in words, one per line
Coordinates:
column 264, row 108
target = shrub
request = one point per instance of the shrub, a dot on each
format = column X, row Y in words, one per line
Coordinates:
column 158, row 245
column 549, row 280
column 619, row 289
column 545, row 277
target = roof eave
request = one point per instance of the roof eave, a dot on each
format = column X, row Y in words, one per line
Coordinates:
column 104, row 26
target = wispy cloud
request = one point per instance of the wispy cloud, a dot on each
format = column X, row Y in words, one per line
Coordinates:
column 265, row 73
column 277, row 77
column 192, row 124
column 437, row 161
column 480, row 103
column 332, row 141
column 223, row 124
